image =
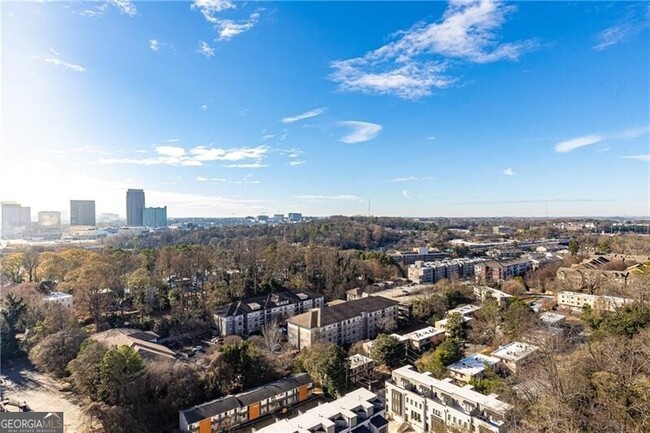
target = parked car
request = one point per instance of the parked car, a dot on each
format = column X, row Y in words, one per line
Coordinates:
column 198, row 348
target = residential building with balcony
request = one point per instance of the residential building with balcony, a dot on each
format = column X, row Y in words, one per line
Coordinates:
column 251, row 314
column 431, row 272
column 344, row 323
column 359, row 411
column 481, row 292
column 359, row 367
column 418, row 254
column 423, row 339
column 576, row 300
column 231, row 411
column 501, row 270
column 427, row 403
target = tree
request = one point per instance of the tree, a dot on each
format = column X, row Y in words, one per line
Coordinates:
column 456, row 327
column 514, row 286
column 436, row 361
column 573, row 247
column 30, row 262
column 112, row 419
column 118, row 369
column 486, row 322
column 12, row 267
column 327, row 365
column 84, row 369
column 429, row 306
column 490, row 382
column 53, row 353
column 11, row 316
column 272, row 336
column 517, row 319
column 388, row 350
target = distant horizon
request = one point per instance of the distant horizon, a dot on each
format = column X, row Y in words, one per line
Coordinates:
column 458, row 109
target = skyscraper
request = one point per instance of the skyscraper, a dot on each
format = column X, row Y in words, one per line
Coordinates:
column 155, row 217
column 48, row 218
column 135, row 208
column 16, row 220
column 82, row 212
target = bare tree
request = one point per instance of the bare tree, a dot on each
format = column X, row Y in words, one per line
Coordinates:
column 272, row 336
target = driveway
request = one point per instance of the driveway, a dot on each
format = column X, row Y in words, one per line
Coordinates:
column 20, row 381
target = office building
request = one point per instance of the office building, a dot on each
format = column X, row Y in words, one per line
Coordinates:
column 82, row 212
column 344, row 323
column 155, row 217
column 430, row 404
column 228, row 412
column 359, row 411
column 16, row 220
column 251, row 314
column 135, row 208
column 49, row 219
column 294, row 217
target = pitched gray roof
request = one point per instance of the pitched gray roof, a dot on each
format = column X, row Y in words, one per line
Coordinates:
column 324, row 316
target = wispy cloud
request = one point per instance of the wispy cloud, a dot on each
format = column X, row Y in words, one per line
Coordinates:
column 154, row 45
column 360, row 131
column 56, row 60
column 296, row 162
column 406, row 193
column 267, row 137
column 306, row 115
column 125, row 7
column 638, row 157
column 431, row 137
column 249, row 165
column 635, row 20
column 322, row 198
column 508, row 172
column 210, row 179
column 205, row 49
column 588, row 140
column 550, row 200
column 418, row 59
column 410, row 179
column 203, row 107
column 575, row 143
column 196, row 156
column 226, row 28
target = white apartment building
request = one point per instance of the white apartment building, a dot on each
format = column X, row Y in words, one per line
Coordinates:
column 359, row 411
column 481, row 292
column 431, row 272
column 359, row 366
column 579, row 300
column 552, row 319
column 423, row 339
column 472, row 367
column 64, row 299
column 344, row 323
column 425, row 403
column 515, row 355
column 467, row 313
column 251, row 314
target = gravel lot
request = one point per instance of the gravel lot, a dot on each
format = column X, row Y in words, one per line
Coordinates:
column 22, row 382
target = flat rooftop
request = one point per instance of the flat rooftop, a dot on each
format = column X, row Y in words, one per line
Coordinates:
column 473, row 364
column 421, row 334
column 514, row 351
column 551, row 318
column 57, row 295
column 358, row 360
column 464, row 310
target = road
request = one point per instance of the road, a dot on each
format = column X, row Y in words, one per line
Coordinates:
column 22, row 382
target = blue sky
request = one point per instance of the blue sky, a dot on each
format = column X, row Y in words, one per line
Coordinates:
column 219, row 108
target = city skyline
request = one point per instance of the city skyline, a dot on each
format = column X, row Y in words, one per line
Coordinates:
column 220, row 109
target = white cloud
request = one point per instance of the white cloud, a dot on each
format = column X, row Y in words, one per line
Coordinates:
column 604, row 149
column 205, row 49
column 638, row 157
column 417, row 60
column 154, row 45
column 203, row 107
column 612, row 36
column 209, row 8
column 587, row 140
column 431, row 137
column 508, row 172
column 196, row 156
column 575, row 143
column 321, row 198
column 360, row 131
column 210, row 179
column 410, row 179
column 125, row 6
column 228, row 29
column 267, row 137
column 297, row 162
column 56, row 60
column 250, row 165
column 406, row 194
column 306, row 115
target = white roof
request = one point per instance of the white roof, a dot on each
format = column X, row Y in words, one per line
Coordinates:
column 551, row 318
column 443, row 323
column 466, row 392
column 464, row 310
column 473, row 364
column 57, row 295
column 514, row 351
column 498, row 294
column 322, row 414
column 358, row 360
column 421, row 334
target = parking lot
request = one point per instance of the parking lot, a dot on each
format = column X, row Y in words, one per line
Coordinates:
column 21, row 382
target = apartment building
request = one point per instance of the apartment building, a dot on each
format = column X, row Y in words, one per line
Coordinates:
column 251, row 314
column 579, row 300
column 427, row 403
column 481, row 292
column 418, row 254
column 359, row 367
column 431, row 272
column 501, row 270
column 552, row 319
column 359, row 411
column 515, row 355
column 64, row 299
column 344, row 323
column 472, row 367
column 233, row 410
column 423, row 339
